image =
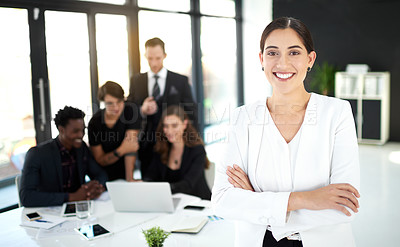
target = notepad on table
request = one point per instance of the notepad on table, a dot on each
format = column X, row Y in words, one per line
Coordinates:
column 182, row 223
column 191, row 224
column 46, row 222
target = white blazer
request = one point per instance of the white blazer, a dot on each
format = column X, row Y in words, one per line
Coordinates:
column 327, row 154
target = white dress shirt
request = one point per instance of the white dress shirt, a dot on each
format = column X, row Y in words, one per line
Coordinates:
column 326, row 152
column 161, row 80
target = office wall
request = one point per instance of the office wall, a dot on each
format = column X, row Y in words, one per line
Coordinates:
column 354, row 31
column 256, row 15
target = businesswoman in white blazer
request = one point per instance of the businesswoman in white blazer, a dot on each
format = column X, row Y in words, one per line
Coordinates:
column 289, row 174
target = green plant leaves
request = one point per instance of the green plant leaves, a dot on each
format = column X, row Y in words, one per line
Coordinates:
column 155, row 236
column 323, row 78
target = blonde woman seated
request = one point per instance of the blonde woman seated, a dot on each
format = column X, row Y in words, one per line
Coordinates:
column 180, row 157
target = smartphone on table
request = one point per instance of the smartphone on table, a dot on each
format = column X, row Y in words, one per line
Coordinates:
column 92, row 231
column 193, row 207
column 70, row 208
column 33, row 216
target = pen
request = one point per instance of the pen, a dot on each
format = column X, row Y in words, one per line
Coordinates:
column 44, row 221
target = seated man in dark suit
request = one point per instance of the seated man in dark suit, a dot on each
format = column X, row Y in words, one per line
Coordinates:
column 54, row 171
column 154, row 91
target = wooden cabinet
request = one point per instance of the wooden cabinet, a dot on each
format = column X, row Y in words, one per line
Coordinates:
column 369, row 96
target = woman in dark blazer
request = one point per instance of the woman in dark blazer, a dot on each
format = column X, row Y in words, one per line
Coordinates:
column 180, row 157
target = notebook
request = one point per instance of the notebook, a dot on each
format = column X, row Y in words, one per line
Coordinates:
column 189, row 224
column 182, row 223
column 141, row 196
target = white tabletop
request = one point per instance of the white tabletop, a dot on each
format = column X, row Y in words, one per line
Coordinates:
column 126, row 227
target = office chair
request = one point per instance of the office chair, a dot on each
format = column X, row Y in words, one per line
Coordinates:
column 210, row 174
column 18, row 184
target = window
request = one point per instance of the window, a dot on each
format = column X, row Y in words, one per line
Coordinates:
column 63, row 54
column 175, row 31
column 218, row 7
column 16, row 105
column 172, row 5
column 120, row 2
column 112, row 50
column 218, row 48
column 68, row 62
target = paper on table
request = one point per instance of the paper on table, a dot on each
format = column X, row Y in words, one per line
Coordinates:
column 46, row 222
column 63, row 229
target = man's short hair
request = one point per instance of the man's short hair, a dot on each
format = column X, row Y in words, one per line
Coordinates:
column 154, row 42
column 111, row 88
column 64, row 115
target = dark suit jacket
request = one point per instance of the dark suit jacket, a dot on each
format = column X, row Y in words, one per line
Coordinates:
column 42, row 181
column 192, row 172
column 177, row 92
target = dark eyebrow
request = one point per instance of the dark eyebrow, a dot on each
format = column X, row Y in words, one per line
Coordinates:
column 271, row 47
column 290, row 47
column 295, row 46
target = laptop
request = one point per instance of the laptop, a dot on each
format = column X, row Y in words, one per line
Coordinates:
column 141, row 196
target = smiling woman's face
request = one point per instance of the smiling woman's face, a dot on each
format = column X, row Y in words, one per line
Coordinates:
column 285, row 60
column 173, row 128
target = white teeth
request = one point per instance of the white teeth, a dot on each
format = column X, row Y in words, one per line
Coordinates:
column 283, row 76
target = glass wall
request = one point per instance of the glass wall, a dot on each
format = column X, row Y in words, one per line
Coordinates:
column 120, row 2
column 175, row 31
column 218, row 47
column 218, row 7
column 17, row 133
column 172, row 5
column 15, row 88
column 68, row 62
column 203, row 31
column 112, row 50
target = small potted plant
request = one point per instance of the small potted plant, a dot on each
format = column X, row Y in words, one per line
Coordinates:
column 155, row 236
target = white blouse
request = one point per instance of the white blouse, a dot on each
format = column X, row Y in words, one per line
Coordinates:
column 324, row 151
column 265, row 173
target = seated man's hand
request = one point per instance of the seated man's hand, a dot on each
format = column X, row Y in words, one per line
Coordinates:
column 93, row 189
column 88, row 191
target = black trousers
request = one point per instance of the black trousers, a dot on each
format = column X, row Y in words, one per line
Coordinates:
column 269, row 241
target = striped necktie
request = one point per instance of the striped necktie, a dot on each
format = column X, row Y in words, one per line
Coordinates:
column 156, row 88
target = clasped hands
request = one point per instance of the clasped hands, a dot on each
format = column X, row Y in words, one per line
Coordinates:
column 332, row 196
column 88, row 191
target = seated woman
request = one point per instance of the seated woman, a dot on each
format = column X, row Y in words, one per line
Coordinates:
column 113, row 133
column 180, row 157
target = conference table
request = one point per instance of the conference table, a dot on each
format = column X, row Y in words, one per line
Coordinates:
column 126, row 227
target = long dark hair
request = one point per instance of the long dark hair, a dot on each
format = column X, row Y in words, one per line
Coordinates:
column 190, row 136
column 288, row 22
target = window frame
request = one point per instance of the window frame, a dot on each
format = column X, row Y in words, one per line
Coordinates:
column 131, row 10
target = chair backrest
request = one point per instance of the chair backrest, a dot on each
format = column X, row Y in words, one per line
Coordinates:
column 18, row 184
column 210, row 174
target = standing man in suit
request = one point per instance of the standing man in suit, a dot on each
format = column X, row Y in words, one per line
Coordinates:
column 154, row 91
column 54, row 171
